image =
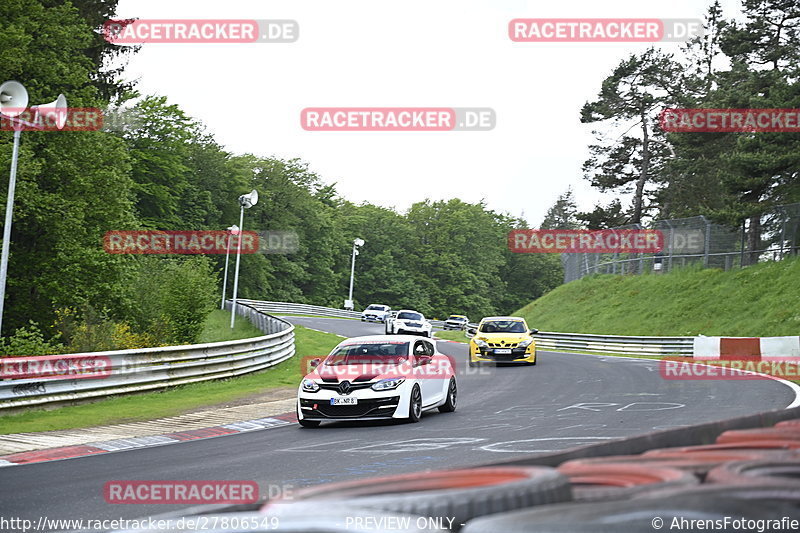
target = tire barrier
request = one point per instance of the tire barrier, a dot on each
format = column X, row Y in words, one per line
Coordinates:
column 454, row 495
column 788, row 423
column 760, row 471
column 775, row 490
column 697, row 463
column 642, row 515
column 613, row 481
column 773, row 433
column 753, row 445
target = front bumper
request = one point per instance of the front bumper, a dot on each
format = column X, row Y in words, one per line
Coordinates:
column 453, row 326
column 372, row 405
column 517, row 355
column 372, row 318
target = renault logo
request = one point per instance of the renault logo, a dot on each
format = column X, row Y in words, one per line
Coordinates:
column 344, row 387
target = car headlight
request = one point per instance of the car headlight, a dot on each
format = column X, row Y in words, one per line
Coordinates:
column 525, row 343
column 310, row 386
column 481, row 344
column 388, row 384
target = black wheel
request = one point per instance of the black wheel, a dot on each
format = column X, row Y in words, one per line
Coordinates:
column 472, row 364
column 415, row 409
column 535, row 357
column 452, row 392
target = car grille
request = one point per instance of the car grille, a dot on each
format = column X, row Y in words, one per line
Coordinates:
column 377, row 407
column 413, row 324
column 335, row 386
column 503, row 344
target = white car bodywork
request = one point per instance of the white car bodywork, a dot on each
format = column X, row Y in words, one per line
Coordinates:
column 375, row 313
column 356, row 365
column 411, row 322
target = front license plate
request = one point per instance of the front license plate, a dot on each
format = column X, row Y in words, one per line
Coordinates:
column 503, row 351
column 344, row 401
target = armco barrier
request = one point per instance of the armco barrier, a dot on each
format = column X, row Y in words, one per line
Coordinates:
column 155, row 368
column 306, row 309
column 612, row 344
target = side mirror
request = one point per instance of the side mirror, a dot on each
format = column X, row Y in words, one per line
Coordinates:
column 534, row 331
column 315, row 362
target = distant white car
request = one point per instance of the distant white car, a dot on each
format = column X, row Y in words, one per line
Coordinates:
column 377, row 377
column 409, row 322
column 375, row 313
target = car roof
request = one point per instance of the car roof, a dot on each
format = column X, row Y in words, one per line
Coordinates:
column 373, row 338
column 409, row 311
column 459, row 316
column 517, row 318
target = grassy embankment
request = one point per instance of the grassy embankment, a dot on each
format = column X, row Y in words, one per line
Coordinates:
column 759, row 301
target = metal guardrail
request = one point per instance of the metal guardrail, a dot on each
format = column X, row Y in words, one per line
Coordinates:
column 148, row 369
column 306, row 309
column 612, row 344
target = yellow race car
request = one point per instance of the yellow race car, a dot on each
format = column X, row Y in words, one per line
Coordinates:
column 503, row 339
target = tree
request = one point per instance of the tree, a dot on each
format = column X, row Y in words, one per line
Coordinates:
column 632, row 95
column 563, row 213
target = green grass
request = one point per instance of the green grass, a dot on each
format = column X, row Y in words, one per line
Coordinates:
column 762, row 300
column 218, row 328
column 176, row 400
column 451, row 335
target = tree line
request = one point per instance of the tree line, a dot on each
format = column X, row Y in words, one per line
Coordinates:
column 158, row 168
column 732, row 178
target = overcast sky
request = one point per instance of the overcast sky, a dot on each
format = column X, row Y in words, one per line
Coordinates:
column 432, row 53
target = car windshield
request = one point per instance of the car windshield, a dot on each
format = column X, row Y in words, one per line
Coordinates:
column 502, row 326
column 376, row 308
column 409, row 316
column 455, row 318
column 367, row 353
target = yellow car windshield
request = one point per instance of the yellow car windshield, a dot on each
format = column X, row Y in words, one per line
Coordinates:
column 503, row 326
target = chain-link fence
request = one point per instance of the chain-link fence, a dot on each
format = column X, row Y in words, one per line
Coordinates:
column 697, row 240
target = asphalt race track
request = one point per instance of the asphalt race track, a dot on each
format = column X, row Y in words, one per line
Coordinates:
column 563, row 401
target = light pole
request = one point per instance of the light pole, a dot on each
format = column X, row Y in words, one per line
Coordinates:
column 356, row 243
column 13, row 101
column 246, row 201
column 233, row 230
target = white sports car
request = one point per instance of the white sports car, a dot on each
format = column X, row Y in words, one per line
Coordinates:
column 408, row 321
column 378, row 377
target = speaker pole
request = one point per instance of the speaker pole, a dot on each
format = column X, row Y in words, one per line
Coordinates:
column 12, row 183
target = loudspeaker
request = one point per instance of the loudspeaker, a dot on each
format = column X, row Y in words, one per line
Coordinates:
column 249, row 200
column 13, row 98
column 57, row 109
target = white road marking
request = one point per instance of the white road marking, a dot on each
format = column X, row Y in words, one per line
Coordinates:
column 495, row 447
column 431, row 443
